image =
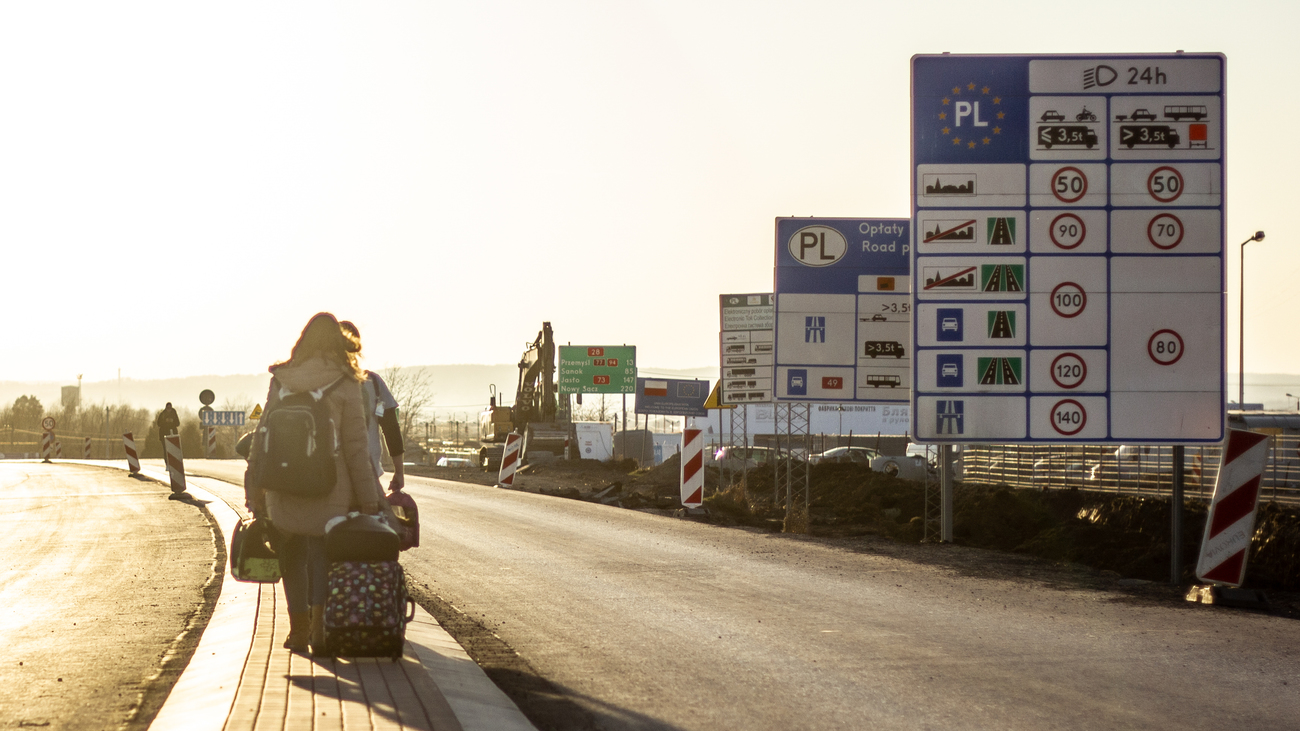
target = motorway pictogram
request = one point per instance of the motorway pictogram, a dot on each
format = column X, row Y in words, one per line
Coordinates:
column 1069, row 417
column 1165, row 184
column 1069, row 370
column 1067, row 231
column 1069, row 184
column 1002, row 277
column 1165, row 231
column 1165, row 347
column 1068, row 299
column 999, row 371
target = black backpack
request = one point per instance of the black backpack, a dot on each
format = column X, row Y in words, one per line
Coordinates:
column 296, row 444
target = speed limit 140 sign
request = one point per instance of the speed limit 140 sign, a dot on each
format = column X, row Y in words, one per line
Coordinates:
column 1068, row 248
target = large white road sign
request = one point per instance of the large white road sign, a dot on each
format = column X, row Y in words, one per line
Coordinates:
column 843, row 313
column 1067, row 269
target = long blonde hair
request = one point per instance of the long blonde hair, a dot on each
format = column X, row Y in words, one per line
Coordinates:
column 322, row 337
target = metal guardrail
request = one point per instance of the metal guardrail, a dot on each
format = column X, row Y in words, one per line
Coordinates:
column 1131, row 469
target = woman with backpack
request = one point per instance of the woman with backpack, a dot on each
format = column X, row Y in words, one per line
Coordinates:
column 310, row 463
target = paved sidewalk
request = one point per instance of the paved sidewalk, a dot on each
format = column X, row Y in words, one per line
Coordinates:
column 241, row 677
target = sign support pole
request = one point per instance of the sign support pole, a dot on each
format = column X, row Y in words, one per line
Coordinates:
column 945, row 491
column 1176, row 519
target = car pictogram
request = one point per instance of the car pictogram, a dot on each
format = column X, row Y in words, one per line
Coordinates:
column 1142, row 114
column 1051, row 115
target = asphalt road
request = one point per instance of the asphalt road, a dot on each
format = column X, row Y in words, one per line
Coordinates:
column 655, row 622
column 102, row 575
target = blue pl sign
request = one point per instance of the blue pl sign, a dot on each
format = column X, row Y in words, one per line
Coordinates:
column 671, row 397
column 841, row 302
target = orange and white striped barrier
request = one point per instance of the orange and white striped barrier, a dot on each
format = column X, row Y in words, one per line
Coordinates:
column 692, row 468
column 509, row 460
column 1231, row 520
column 211, row 440
column 58, row 450
column 47, row 445
column 175, row 463
column 85, row 452
column 128, row 446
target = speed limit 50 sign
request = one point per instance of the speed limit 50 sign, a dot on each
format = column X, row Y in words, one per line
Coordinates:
column 1067, row 257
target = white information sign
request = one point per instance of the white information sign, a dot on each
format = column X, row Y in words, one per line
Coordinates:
column 1068, row 249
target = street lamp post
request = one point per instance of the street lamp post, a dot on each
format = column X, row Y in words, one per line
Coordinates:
column 1297, row 400
column 1241, row 328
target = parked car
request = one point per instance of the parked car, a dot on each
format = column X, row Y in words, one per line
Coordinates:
column 905, row 467
column 454, row 462
column 855, row 455
column 743, row 458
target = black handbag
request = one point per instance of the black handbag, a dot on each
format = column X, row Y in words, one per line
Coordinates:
column 251, row 557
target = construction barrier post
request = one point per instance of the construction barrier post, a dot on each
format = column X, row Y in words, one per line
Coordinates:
column 1231, row 521
column 175, row 464
column 58, row 450
column 692, row 468
column 128, row 446
column 211, row 440
column 47, row 445
column 86, row 452
column 509, row 460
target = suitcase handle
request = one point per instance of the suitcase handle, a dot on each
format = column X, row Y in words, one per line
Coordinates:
column 410, row 610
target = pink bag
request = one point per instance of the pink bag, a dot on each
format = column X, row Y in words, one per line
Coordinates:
column 408, row 518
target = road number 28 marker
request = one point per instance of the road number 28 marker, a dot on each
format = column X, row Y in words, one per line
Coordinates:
column 1165, row 347
column 1069, row 370
column 1069, row 184
column 1165, row 231
column 1067, row 231
column 1068, row 299
column 1165, row 184
column 1069, row 417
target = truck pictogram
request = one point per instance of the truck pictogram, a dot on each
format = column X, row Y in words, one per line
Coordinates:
column 1148, row 134
column 874, row 348
column 1066, row 135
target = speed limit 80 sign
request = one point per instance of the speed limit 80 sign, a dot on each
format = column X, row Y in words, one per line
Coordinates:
column 1068, row 217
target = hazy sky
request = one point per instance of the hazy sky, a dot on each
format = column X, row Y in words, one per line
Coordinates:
column 184, row 184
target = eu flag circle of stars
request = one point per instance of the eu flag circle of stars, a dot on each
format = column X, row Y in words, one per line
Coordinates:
column 973, row 92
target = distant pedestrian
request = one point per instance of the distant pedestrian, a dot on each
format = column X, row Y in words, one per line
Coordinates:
column 168, row 423
column 320, row 362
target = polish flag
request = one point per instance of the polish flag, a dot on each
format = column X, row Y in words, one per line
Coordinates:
column 656, row 388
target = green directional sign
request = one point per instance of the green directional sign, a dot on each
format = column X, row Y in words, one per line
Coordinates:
column 597, row 369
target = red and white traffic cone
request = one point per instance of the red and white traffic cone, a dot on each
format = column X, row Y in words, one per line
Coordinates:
column 175, row 464
column 132, row 459
column 509, row 460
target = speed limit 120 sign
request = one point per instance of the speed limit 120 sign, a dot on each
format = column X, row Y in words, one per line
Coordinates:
column 1076, row 201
